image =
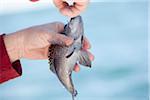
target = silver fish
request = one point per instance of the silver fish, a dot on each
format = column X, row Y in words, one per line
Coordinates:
column 62, row 59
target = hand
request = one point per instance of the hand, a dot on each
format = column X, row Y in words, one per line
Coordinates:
column 33, row 42
column 71, row 11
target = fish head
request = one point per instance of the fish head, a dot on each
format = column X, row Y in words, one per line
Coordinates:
column 74, row 28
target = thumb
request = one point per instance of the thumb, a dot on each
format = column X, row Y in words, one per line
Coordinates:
column 61, row 39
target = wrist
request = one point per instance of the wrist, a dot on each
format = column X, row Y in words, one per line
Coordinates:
column 12, row 45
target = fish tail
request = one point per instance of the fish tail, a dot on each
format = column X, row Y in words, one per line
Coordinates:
column 73, row 97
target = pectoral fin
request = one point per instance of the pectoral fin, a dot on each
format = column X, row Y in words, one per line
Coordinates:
column 84, row 58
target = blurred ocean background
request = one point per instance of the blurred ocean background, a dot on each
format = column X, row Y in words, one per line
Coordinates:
column 118, row 32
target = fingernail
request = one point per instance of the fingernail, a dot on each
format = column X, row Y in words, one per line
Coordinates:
column 91, row 57
column 76, row 68
column 86, row 44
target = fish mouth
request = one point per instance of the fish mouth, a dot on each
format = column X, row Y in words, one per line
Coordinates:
column 76, row 19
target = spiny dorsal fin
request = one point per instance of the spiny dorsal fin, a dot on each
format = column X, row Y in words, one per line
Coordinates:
column 51, row 58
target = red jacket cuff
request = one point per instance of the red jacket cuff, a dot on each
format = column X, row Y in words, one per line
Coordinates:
column 8, row 70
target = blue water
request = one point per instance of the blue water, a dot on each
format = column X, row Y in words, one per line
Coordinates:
column 118, row 34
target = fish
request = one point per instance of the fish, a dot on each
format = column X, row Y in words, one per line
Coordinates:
column 62, row 59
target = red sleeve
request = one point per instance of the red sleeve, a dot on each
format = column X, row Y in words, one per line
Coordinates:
column 8, row 70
